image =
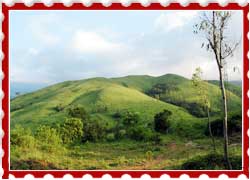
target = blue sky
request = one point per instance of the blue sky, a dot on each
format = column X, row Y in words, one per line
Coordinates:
column 54, row 46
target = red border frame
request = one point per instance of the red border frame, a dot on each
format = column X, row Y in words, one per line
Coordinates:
column 116, row 174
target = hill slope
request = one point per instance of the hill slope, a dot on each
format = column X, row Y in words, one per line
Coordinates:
column 234, row 86
column 179, row 91
column 101, row 97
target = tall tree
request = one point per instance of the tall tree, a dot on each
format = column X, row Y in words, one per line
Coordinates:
column 202, row 88
column 213, row 25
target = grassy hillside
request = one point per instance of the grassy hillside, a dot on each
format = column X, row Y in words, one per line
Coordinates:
column 180, row 91
column 234, row 86
column 120, row 141
column 99, row 96
column 115, row 94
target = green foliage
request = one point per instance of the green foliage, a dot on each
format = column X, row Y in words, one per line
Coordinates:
column 157, row 138
column 130, row 118
column 107, row 132
column 71, row 130
column 236, row 89
column 47, row 135
column 110, row 137
column 94, row 129
column 100, row 107
column 140, row 133
column 59, row 108
column 234, row 126
column 78, row 112
column 22, row 137
column 160, row 89
column 211, row 162
column 149, row 155
column 121, row 134
column 161, row 121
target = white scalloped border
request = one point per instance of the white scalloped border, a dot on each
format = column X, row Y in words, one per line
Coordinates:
column 107, row 3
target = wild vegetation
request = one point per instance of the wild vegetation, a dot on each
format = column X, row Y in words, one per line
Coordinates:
column 116, row 123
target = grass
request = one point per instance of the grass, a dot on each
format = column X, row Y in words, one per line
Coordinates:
column 125, row 154
column 102, row 98
column 38, row 107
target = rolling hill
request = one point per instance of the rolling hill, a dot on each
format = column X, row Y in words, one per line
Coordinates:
column 102, row 97
column 117, row 144
column 181, row 92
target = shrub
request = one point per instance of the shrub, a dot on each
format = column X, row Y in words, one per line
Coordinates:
column 149, row 155
column 47, row 135
column 131, row 118
column 78, row 112
column 94, row 129
column 117, row 115
column 58, row 108
column 71, row 130
column 156, row 138
column 234, row 125
column 161, row 121
column 100, row 108
column 22, row 137
column 140, row 133
column 211, row 162
column 121, row 134
column 110, row 137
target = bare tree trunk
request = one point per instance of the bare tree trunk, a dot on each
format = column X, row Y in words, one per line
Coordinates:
column 210, row 130
column 224, row 100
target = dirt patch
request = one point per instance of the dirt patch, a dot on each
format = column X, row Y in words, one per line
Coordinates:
column 32, row 164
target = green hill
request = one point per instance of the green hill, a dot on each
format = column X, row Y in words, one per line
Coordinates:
column 110, row 139
column 99, row 96
column 179, row 91
column 103, row 97
column 233, row 86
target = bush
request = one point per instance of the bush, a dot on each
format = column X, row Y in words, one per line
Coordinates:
column 211, row 162
column 149, row 155
column 156, row 138
column 78, row 112
column 94, row 129
column 161, row 121
column 58, row 108
column 71, row 130
column 47, row 135
column 121, row 134
column 131, row 118
column 117, row 115
column 140, row 133
column 110, row 137
column 22, row 137
column 234, row 125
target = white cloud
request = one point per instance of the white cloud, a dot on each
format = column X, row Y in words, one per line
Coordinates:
column 92, row 42
column 172, row 20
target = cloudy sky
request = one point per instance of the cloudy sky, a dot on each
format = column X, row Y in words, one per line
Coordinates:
column 54, row 46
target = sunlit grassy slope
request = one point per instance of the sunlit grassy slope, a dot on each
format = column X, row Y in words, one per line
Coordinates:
column 126, row 93
column 186, row 138
column 186, row 92
column 39, row 107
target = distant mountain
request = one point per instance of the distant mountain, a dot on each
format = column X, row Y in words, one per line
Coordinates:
column 238, row 83
column 18, row 88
